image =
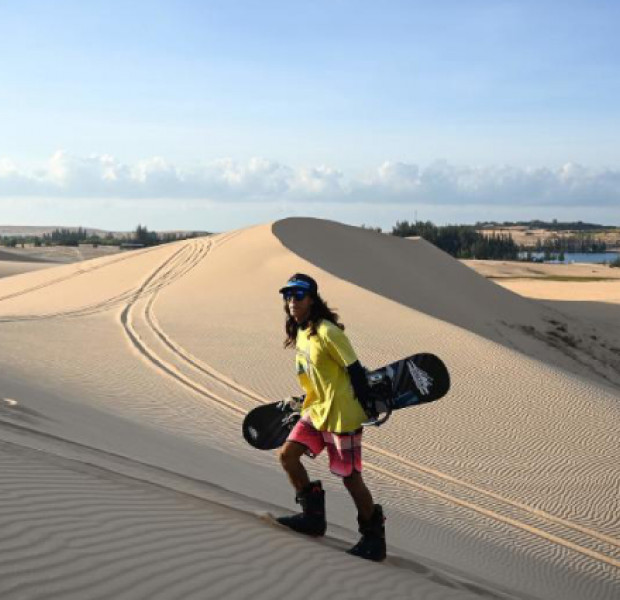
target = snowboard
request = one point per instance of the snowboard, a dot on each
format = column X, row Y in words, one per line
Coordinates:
column 417, row 379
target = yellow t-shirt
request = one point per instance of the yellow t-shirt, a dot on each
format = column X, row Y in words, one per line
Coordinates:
column 322, row 362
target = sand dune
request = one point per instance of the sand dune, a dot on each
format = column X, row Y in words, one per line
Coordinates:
column 58, row 254
column 15, row 256
column 509, row 270
column 416, row 274
column 124, row 381
column 586, row 295
column 12, row 263
column 8, row 269
column 31, row 258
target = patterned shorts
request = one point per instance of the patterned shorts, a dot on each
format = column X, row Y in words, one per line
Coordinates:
column 343, row 449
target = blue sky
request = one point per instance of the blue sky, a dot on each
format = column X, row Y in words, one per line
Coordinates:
column 219, row 114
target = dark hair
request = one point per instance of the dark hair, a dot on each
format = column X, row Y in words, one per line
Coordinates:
column 318, row 311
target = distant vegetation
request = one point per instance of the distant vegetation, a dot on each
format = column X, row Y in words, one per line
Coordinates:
column 554, row 225
column 461, row 241
column 467, row 241
column 578, row 243
column 575, row 237
column 74, row 237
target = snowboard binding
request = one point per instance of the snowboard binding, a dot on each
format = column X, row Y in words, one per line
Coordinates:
column 381, row 397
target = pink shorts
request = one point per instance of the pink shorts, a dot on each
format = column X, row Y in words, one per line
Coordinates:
column 344, row 449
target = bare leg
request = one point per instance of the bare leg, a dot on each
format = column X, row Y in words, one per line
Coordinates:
column 361, row 495
column 290, row 459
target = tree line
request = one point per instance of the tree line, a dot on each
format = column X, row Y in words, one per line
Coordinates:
column 465, row 241
column 461, row 241
column 74, row 237
column 553, row 225
column 579, row 243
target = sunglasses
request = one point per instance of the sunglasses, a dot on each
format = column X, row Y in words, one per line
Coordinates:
column 297, row 294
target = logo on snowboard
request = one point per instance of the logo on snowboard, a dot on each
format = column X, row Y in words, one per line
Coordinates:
column 423, row 381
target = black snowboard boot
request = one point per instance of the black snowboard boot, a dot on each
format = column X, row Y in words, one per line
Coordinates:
column 312, row 520
column 372, row 543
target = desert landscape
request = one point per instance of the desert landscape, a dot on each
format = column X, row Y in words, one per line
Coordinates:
column 124, row 380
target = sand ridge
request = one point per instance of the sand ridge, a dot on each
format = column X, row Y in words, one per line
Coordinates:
column 174, row 345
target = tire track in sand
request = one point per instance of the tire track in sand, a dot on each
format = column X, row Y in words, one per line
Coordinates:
column 80, row 271
column 108, row 303
column 151, row 355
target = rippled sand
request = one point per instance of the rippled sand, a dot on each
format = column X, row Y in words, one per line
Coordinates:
column 124, row 380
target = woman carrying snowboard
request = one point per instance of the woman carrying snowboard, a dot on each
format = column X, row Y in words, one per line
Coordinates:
column 336, row 390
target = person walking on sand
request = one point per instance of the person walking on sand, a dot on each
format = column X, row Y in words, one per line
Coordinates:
column 336, row 404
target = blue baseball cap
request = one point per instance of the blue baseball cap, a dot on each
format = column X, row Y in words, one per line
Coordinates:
column 299, row 281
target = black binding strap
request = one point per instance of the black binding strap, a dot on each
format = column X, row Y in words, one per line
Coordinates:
column 357, row 373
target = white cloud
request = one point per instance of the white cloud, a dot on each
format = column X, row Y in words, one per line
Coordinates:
column 7, row 168
column 441, row 183
column 262, row 180
column 318, row 181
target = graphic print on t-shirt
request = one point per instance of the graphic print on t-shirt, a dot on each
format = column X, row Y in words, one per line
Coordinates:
column 304, row 364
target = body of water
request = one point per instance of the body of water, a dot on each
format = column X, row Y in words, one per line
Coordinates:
column 578, row 257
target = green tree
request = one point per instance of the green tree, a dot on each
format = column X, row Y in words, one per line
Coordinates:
column 146, row 237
